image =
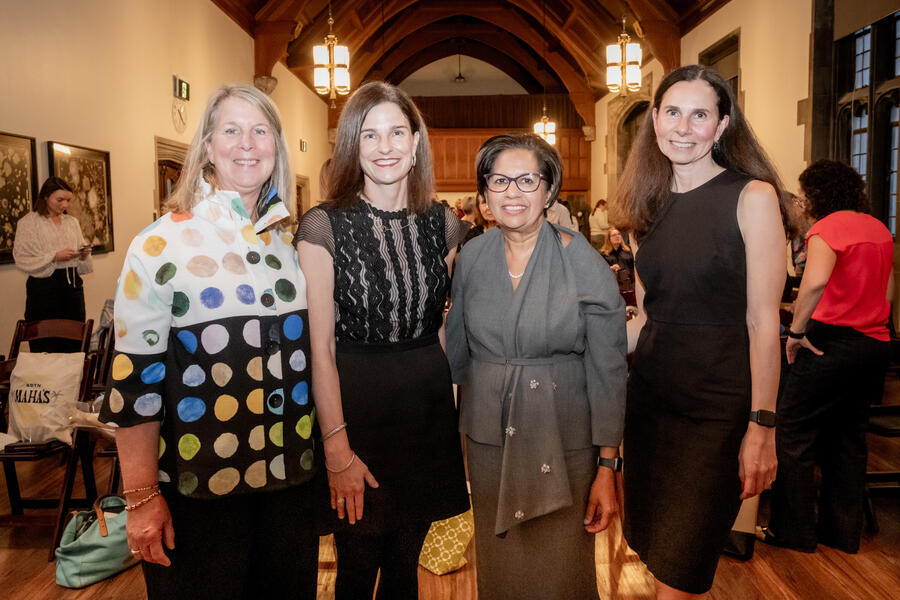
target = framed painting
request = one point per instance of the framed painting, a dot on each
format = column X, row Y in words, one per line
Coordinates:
column 87, row 171
column 18, row 186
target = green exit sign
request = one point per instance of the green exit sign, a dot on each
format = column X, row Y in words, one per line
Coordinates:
column 182, row 88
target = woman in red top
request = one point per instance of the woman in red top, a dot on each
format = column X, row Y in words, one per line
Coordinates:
column 838, row 349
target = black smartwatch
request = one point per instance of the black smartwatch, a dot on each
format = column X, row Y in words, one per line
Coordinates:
column 795, row 335
column 766, row 418
column 610, row 463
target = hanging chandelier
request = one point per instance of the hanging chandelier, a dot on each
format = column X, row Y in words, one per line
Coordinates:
column 459, row 76
column 331, row 75
column 545, row 127
column 627, row 71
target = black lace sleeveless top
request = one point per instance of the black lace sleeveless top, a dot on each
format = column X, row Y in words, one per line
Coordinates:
column 390, row 278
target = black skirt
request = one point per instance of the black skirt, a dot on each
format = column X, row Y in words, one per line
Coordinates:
column 59, row 296
column 402, row 422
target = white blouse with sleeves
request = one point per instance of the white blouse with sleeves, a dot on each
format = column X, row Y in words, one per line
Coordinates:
column 38, row 239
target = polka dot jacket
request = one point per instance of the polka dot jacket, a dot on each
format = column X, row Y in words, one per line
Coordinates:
column 212, row 340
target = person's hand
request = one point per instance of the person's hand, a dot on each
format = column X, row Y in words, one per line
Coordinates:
column 347, row 489
column 757, row 464
column 64, row 255
column 793, row 345
column 615, row 267
column 602, row 502
column 84, row 252
column 148, row 527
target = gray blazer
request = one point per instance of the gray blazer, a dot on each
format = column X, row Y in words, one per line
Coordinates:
column 543, row 366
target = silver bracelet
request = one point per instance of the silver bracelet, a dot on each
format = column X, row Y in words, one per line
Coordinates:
column 334, row 431
column 352, row 458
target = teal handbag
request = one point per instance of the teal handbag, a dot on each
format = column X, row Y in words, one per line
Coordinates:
column 94, row 545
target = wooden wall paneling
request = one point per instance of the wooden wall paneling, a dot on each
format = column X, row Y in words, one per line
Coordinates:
column 454, row 152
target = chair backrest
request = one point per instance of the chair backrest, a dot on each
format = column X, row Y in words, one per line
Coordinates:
column 52, row 328
column 103, row 356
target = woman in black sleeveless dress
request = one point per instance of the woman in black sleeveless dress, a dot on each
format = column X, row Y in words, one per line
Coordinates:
column 376, row 258
column 700, row 197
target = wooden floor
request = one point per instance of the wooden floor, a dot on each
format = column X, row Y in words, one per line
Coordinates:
column 772, row 573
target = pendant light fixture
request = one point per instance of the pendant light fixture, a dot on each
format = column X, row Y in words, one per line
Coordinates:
column 623, row 64
column 545, row 127
column 459, row 76
column 331, row 75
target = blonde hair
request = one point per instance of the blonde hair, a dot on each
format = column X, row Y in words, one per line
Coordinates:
column 197, row 165
column 607, row 246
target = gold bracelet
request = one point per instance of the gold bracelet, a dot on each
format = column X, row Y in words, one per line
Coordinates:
column 155, row 486
column 352, row 458
column 334, row 431
column 131, row 507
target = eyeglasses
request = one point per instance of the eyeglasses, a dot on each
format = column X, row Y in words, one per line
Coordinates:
column 526, row 182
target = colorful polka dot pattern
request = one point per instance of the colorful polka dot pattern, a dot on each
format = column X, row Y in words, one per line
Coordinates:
column 211, row 339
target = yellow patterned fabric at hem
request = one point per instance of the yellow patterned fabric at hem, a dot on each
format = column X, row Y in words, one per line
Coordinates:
column 445, row 545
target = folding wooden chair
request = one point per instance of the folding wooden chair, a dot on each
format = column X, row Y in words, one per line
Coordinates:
column 81, row 449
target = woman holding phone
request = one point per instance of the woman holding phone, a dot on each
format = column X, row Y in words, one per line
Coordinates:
column 51, row 248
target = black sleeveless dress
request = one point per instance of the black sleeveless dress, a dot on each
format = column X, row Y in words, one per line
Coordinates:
column 689, row 386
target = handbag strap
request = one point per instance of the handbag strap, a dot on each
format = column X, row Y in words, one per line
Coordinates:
column 98, row 510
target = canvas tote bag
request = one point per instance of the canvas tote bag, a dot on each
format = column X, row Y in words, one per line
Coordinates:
column 43, row 390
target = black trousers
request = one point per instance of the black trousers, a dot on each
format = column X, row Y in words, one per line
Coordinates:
column 823, row 415
column 60, row 296
column 395, row 552
column 250, row 546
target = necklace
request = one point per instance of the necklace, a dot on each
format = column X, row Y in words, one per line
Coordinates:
column 519, row 276
column 383, row 226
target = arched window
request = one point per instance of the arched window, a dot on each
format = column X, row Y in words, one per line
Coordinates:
column 628, row 131
column 859, row 140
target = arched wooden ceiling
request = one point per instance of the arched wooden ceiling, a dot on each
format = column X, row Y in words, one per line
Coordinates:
column 554, row 44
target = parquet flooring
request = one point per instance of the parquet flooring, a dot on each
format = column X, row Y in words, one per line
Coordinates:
column 772, row 573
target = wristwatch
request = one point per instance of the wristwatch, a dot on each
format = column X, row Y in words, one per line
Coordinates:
column 766, row 418
column 795, row 334
column 610, row 463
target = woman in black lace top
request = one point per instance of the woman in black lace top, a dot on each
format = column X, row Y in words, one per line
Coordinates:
column 376, row 257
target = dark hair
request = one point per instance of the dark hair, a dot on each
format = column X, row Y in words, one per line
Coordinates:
column 346, row 176
column 830, row 186
column 52, row 184
column 549, row 163
column 600, row 202
column 647, row 179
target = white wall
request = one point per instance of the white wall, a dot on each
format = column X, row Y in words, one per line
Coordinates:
column 98, row 73
column 775, row 38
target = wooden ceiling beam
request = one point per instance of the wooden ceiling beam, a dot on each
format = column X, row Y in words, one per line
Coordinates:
column 479, row 51
column 279, row 10
column 661, row 31
column 270, row 44
column 430, row 11
column 484, row 34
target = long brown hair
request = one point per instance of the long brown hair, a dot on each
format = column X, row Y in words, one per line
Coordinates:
column 346, row 177
column 647, row 179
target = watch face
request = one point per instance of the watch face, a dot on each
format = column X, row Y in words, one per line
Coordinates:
column 766, row 418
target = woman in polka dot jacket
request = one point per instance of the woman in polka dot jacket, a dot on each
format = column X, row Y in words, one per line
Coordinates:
column 209, row 383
